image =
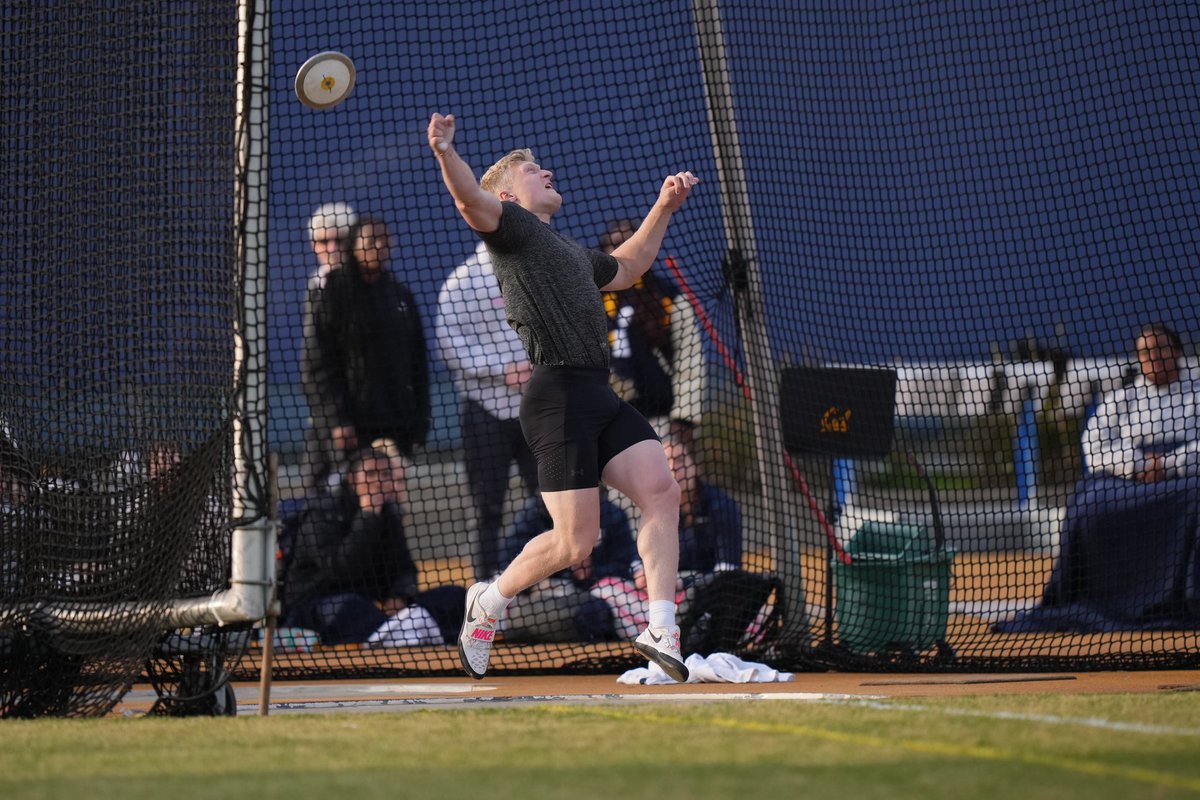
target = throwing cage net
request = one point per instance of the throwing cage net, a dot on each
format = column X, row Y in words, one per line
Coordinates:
column 924, row 247
column 924, row 244
column 122, row 393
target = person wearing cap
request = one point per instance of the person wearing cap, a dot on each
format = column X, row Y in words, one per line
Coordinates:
column 327, row 230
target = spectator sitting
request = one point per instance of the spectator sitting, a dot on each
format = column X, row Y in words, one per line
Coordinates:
column 350, row 571
column 1128, row 549
column 560, row 608
column 710, row 521
column 1149, row 431
column 13, row 488
column 14, row 494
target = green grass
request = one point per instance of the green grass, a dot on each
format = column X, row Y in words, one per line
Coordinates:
column 1063, row 747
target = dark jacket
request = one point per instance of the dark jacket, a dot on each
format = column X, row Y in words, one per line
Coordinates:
column 339, row 548
column 716, row 536
column 366, row 359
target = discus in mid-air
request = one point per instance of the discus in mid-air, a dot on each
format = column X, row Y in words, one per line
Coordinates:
column 325, row 80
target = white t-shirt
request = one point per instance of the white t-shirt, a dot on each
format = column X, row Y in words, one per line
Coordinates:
column 474, row 339
column 1142, row 420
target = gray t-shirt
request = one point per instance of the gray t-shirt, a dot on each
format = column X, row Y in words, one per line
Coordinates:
column 551, row 287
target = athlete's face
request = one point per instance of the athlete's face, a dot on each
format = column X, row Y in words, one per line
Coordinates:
column 532, row 188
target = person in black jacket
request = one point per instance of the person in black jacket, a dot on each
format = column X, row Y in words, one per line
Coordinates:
column 350, row 569
column 366, row 366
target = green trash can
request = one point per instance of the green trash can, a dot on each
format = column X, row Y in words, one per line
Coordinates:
column 894, row 595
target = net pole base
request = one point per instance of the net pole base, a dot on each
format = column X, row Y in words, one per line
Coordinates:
column 268, row 664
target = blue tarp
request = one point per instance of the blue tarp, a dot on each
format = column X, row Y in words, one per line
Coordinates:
column 1129, row 559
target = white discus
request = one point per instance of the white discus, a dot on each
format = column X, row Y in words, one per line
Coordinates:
column 325, row 80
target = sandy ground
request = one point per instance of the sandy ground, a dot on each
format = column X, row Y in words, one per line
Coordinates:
column 400, row 695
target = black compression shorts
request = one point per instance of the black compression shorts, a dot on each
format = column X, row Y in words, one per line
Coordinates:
column 575, row 424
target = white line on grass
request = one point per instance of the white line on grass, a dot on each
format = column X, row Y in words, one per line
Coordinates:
column 407, row 703
column 1019, row 716
column 874, row 702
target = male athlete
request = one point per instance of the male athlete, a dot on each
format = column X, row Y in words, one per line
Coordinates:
column 576, row 426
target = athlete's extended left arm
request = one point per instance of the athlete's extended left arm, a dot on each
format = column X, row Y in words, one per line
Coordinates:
column 637, row 253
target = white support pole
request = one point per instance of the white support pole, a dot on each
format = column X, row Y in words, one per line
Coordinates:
column 250, row 221
column 254, row 536
column 247, row 599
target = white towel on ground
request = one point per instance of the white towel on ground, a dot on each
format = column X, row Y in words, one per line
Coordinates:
column 716, row 668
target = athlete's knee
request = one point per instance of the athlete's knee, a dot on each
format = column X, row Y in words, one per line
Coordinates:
column 574, row 547
column 660, row 494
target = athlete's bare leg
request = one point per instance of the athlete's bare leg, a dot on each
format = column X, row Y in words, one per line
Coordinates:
column 576, row 515
column 642, row 474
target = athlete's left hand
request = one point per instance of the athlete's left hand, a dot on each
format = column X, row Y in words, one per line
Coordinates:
column 675, row 190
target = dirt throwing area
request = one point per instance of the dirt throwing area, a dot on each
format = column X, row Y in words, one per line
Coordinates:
column 408, row 694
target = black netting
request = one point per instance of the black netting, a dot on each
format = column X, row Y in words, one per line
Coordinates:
column 117, row 308
column 925, row 244
column 974, row 211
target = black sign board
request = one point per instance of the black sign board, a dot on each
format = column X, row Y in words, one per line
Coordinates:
column 843, row 412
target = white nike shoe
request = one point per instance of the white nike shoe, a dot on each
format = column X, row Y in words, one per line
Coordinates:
column 478, row 632
column 661, row 645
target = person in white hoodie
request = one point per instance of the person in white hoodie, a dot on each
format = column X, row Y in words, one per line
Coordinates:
column 489, row 367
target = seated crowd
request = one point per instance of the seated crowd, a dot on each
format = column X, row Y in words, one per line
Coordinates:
column 350, row 578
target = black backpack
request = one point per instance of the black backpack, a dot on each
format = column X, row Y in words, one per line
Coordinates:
column 721, row 617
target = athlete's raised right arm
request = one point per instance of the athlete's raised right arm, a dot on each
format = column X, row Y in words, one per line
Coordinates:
column 480, row 209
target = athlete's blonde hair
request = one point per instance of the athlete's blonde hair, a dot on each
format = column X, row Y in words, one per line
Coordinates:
column 496, row 178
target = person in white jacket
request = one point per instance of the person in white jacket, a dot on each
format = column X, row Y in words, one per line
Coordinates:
column 1128, row 547
column 1149, row 431
column 489, row 367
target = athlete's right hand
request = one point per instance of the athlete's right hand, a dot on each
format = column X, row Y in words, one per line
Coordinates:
column 441, row 133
